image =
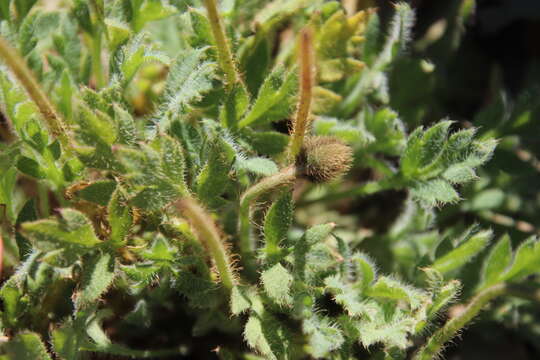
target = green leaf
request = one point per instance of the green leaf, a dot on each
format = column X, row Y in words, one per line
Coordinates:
column 255, row 58
column 68, row 46
column 135, row 54
column 23, row 7
column 333, row 127
column 435, row 192
column 4, row 10
column 160, row 250
column 366, row 270
column 119, row 216
column 431, row 154
column 190, row 76
column 464, row 253
column 323, row 336
column 277, row 221
column 410, row 161
column 497, row 262
column 277, row 282
column 235, row 106
column 127, row 131
column 118, row 33
column 98, row 273
column 213, row 178
column 434, row 140
column 145, row 171
column 318, row 233
column 8, row 178
column 97, row 125
column 75, row 233
column 526, row 260
column 155, row 197
column 266, row 336
column 391, row 333
column 487, row 200
column 276, row 12
column 303, row 248
column 240, row 300
column 172, row 160
column 151, row 10
column 27, row 213
column 14, row 301
column 202, row 31
column 98, row 192
column 346, row 295
column 276, row 98
column 444, row 296
column 254, row 335
column 392, row 289
column 27, row 38
column 81, row 12
column 332, row 41
column 266, row 142
column 257, row 165
column 388, row 130
column 459, row 174
column 66, row 342
column 27, row 346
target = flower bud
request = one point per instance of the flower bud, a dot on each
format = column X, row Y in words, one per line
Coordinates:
column 324, row 158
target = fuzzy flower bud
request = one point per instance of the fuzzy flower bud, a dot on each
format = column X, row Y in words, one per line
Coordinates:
column 324, row 158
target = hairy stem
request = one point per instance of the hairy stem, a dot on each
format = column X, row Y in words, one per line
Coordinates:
column 303, row 111
column 450, row 329
column 1, row 252
column 225, row 58
column 97, row 67
column 54, row 122
column 366, row 189
column 284, row 177
column 208, row 234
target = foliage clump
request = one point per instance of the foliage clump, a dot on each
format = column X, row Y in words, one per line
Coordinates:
column 156, row 206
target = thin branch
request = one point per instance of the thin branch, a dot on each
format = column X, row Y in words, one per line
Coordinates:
column 284, row 177
column 437, row 341
column 225, row 57
column 208, row 234
column 366, row 189
column 54, row 122
column 307, row 79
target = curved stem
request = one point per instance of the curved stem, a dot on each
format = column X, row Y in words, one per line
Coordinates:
column 366, row 189
column 97, row 67
column 1, row 253
column 303, row 111
column 52, row 119
column 225, row 57
column 208, row 234
column 284, row 177
column 446, row 333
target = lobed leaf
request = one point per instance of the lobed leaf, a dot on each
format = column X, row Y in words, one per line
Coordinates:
column 277, row 282
column 275, row 100
column 98, row 272
column 26, row 346
column 464, row 253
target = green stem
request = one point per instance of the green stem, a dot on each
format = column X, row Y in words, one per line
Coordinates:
column 450, row 329
column 303, row 111
column 97, row 67
column 44, row 205
column 284, row 177
column 366, row 189
column 53, row 121
column 208, row 234
column 225, row 57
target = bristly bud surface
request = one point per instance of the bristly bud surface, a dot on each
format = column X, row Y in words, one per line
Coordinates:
column 324, row 158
